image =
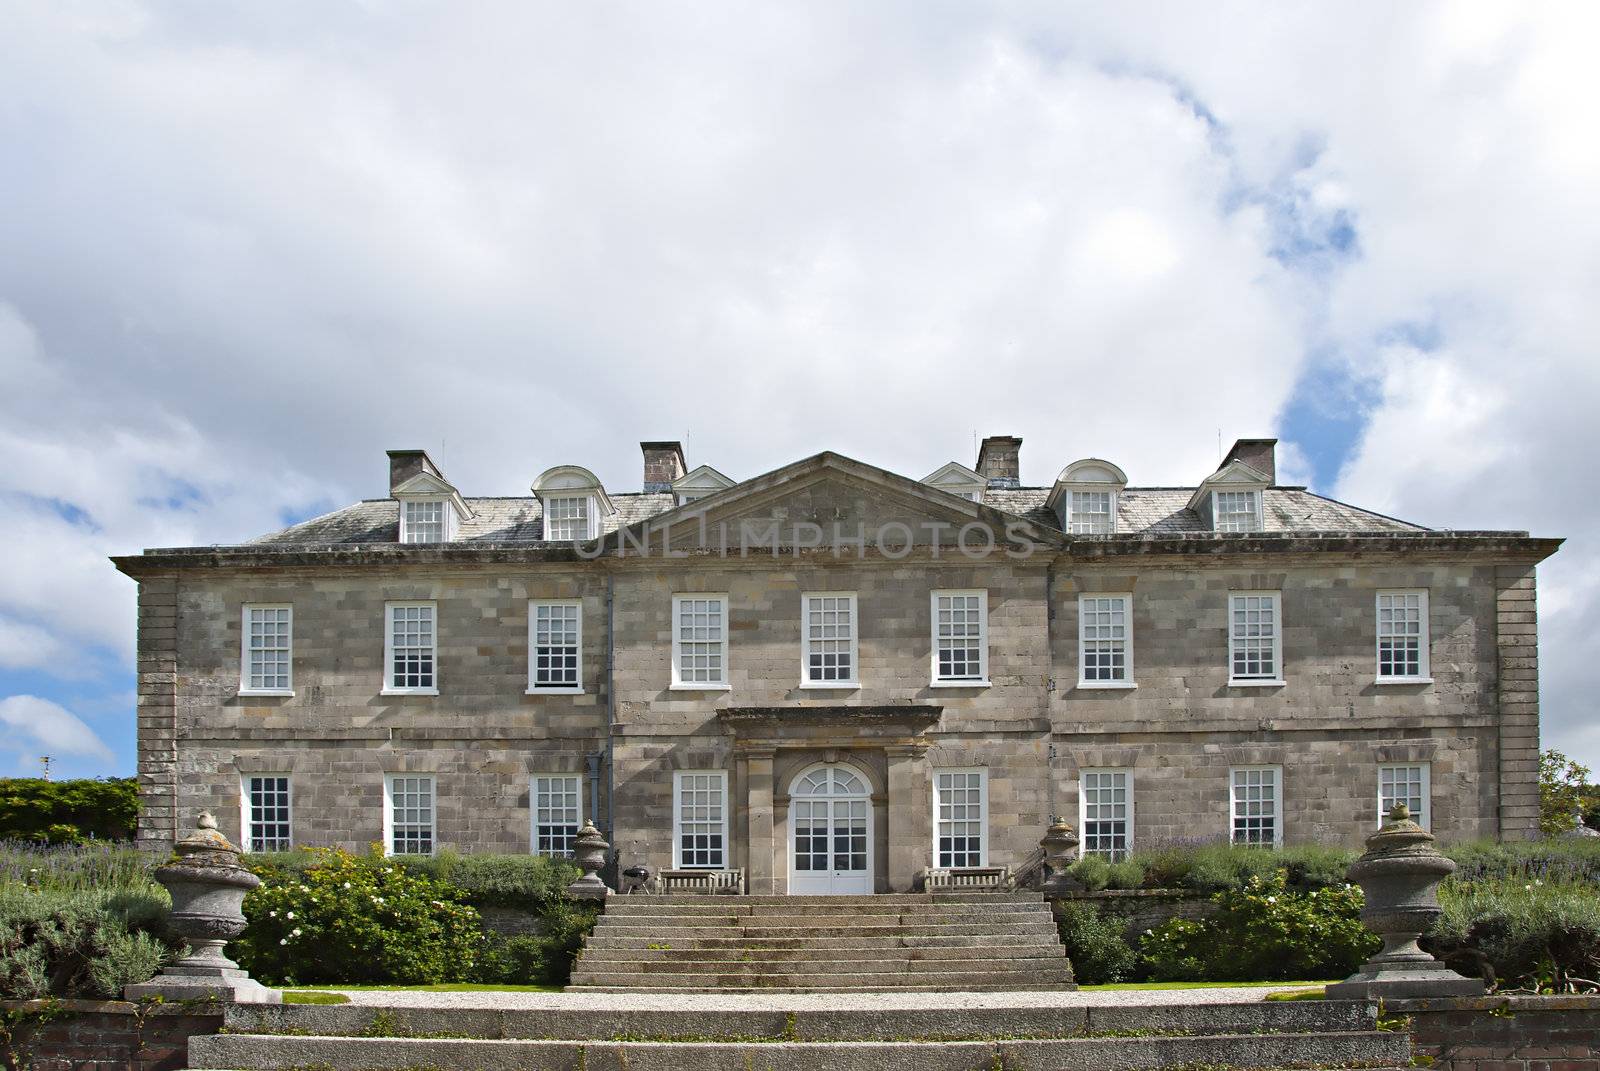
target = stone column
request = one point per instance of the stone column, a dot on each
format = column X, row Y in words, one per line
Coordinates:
column 763, row 877
column 158, row 713
column 1517, row 645
column 910, row 815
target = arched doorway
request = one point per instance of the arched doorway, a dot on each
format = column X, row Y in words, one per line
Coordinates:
column 830, row 832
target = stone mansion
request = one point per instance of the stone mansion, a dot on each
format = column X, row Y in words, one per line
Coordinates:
column 835, row 679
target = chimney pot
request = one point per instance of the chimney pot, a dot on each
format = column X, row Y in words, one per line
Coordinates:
column 1000, row 461
column 404, row 464
column 1259, row 454
column 663, row 463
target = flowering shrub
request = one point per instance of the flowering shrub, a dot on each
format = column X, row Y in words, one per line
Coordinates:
column 1264, row 933
column 357, row 920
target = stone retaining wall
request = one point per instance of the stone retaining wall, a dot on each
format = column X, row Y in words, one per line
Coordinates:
column 1144, row 909
column 1505, row 1033
column 101, row 1035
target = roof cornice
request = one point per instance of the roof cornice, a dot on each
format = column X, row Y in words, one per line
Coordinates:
column 1505, row 547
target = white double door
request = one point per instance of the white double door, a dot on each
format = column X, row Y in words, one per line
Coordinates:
column 830, row 833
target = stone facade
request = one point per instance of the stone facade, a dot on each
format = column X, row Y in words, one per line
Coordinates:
column 1031, row 728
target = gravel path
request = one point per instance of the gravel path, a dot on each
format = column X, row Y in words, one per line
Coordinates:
column 806, row 1001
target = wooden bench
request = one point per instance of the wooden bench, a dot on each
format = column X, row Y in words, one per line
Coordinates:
column 700, row 882
column 969, row 879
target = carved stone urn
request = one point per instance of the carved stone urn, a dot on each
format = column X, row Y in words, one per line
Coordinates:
column 1400, row 875
column 208, row 886
column 590, row 853
column 1059, row 842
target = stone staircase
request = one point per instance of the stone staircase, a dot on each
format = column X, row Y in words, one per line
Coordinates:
column 778, row 1032
column 968, row 942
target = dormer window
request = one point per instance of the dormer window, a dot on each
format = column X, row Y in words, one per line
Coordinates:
column 956, row 479
column 1085, row 497
column 1091, row 513
column 422, row 520
column 568, row 519
column 1236, row 511
column 700, row 483
column 574, row 504
column 430, row 510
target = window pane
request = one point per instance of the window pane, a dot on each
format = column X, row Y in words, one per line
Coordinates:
column 700, row 820
column 1401, row 634
column 1107, row 800
column 556, row 639
column 1255, row 806
column 1254, row 635
column 411, row 815
column 268, row 802
column 1103, row 638
column 700, row 641
column 1091, row 513
column 411, row 647
column 566, row 518
column 424, row 521
column 958, row 630
column 554, row 800
column 1403, row 784
column 829, row 638
column 267, row 648
column 1236, row 511
column 958, row 813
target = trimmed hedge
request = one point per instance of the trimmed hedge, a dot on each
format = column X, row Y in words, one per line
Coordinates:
column 68, row 812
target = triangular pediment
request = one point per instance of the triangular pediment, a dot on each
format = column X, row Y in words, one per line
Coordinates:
column 1234, row 476
column 832, row 494
column 427, row 485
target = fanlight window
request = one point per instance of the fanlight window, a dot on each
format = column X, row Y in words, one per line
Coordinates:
column 831, row 781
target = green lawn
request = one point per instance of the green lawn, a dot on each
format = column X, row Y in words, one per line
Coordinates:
column 1194, row 985
column 447, row 987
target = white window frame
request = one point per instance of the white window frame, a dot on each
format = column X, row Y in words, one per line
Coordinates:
column 980, row 681
column 1126, row 773
column 591, row 517
column 534, row 687
column 1256, row 521
column 983, row 812
column 677, row 819
column 806, row 680
column 388, row 812
column 1073, row 520
column 245, row 650
column 446, row 519
column 1424, row 637
column 1277, row 803
column 389, row 687
column 678, row 683
column 247, row 812
column 1277, row 679
column 1127, row 680
column 1423, row 816
column 533, row 811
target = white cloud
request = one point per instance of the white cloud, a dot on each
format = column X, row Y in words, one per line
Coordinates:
column 39, row 727
column 265, row 245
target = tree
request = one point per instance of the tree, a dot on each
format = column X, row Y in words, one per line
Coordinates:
column 1562, row 785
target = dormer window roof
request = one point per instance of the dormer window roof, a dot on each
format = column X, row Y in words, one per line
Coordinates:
column 573, row 503
column 958, row 480
column 431, row 511
column 703, row 481
column 1230, row 499
column 1085, row 496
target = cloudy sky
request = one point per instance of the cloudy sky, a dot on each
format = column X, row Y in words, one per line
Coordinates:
column 246, row 248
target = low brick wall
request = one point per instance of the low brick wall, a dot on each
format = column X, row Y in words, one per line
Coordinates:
column 1505, row 1033
column 1144, row 909
column 511, row 922
column 101, row 1035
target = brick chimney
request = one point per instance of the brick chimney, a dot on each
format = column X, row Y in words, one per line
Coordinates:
column 404, row 464
column 1000, row 461
column 663, row 463
column 1259, row 454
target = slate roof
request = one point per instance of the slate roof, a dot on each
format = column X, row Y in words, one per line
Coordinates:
column 1140, row 511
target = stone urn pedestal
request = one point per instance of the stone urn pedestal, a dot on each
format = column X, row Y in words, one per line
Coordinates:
column 208, row 886
column 590, row 850
column 1400, row 875
column 1059, row 842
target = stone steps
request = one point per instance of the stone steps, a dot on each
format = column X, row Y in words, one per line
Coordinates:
column 824, row 944
column 1250, row 1052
